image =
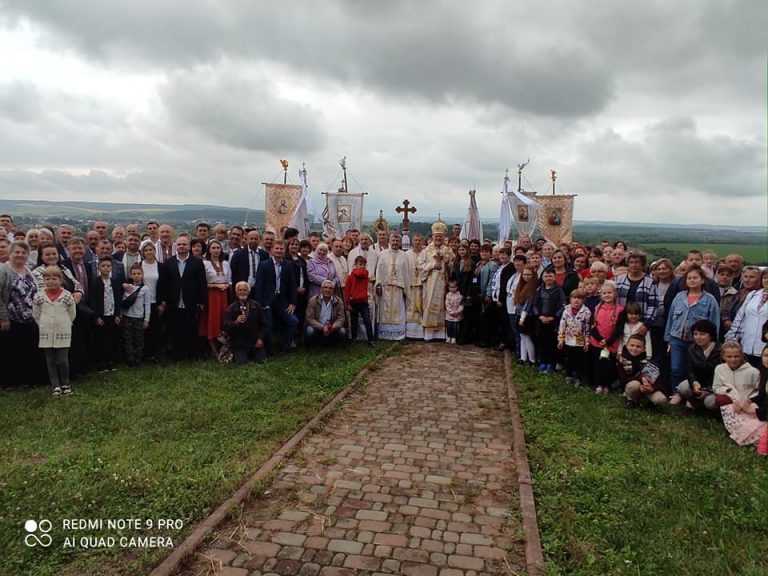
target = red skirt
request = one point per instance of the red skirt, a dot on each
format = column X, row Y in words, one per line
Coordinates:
column 212, row 317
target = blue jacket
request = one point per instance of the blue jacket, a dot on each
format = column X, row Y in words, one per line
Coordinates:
column 266, row 281
column 681, row 317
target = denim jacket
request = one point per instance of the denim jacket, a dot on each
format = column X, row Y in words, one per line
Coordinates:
column 486, row 275
column 682, row 317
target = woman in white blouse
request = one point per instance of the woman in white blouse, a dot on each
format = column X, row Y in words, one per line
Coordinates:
column 219, row 278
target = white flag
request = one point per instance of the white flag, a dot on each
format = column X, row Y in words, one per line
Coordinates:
column 504, row 220
column 472, row 228
column 300, row 217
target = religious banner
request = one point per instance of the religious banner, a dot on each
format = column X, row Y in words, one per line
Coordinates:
column 555, row 218
column 523, row 208
column 280, row 202
column 525, row 211
column 344, row 211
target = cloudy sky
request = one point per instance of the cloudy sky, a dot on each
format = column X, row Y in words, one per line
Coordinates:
column 650, row 111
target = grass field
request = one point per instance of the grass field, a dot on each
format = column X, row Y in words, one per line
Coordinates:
column 752, row 253
column 638, row 492
column 148, row 443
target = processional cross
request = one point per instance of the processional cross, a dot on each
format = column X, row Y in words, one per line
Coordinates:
column 405, row 210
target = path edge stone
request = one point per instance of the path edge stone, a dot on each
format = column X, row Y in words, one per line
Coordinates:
column 534, row 556
column 171, row 563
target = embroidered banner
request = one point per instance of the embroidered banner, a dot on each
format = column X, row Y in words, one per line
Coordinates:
column 280, row 201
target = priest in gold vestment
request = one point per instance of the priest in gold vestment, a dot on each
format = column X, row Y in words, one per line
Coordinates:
column 393, row 285
column 413, row 314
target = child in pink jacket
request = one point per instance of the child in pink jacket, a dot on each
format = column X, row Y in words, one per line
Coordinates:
column 454, row 311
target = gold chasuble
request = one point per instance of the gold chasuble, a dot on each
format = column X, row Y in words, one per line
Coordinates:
column 434, row 276
column 414, row 311
column 393, row 276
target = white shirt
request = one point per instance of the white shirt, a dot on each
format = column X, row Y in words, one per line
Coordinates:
column 151, row 277
column 278, row 267
column 496, row 282
column 128, row 261
column 511, row 287
column 326, row 311
column 109, row 297
column 182, row 264
column 253, row 265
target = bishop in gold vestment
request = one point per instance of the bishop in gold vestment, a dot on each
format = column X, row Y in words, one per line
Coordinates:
column 437, row 262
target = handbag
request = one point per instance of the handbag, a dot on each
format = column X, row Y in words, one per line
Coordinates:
column 130, row 300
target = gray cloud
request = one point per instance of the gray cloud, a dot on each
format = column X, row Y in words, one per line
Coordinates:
column 43, row 127
column 672, row 155
column 648, row 111
column 242, row 112
column 406, row 50
column 19, row 102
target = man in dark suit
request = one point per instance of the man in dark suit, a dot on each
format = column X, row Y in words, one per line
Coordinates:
column 187, row 294
column 244, row 262
column 64, row 234
column 104, row 248
column 81, row 327
column 275, row 290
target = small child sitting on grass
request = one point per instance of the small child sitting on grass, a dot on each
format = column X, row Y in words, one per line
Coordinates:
column 640, row 376
column 736, row 386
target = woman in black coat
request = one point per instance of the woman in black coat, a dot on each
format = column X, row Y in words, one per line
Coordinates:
column 156, row 280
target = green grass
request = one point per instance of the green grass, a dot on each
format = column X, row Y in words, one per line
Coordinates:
column 640, row 492
column 148, row 443
column 752, row 253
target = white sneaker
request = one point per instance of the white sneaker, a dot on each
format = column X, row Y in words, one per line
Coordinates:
column 676, row 400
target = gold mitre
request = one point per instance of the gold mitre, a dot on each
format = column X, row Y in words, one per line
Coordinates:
column 439, row 227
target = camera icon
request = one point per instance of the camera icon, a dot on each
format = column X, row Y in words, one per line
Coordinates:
column 32, row 539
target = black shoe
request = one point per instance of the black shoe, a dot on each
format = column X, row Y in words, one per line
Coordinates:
column 631, row 404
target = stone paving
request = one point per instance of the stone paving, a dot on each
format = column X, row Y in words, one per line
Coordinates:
column 414, row 475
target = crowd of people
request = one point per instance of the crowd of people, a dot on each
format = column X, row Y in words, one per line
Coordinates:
column 692, row 333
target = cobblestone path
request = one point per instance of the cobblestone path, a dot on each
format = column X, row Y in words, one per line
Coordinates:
column 414, row 475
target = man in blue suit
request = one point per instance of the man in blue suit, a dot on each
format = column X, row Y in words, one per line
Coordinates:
column 244, row 262
column 275, row 290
